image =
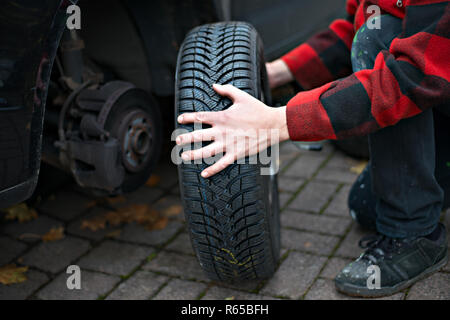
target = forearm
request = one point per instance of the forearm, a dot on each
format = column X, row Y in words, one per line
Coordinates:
column 279, row 73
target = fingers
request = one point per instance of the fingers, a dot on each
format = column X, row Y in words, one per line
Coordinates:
column 224, row 162
column 202, row 153
column 201, row 117
column 229, row 91
column 196, row 136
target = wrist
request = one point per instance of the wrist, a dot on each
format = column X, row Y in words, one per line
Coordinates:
column 281, row 124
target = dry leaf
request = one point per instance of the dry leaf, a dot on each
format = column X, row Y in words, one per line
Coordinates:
column 160, row 224
column 114, row 234
column 11, row 274
column 153, row 181
column 92, row 204
column 114, row 200
column 54, row 234
column 93, row 224
column 21, row 212
column 358, row 169
column 173, row 210
column 139, row 213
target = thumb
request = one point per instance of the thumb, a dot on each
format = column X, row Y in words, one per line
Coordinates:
column 229, row 91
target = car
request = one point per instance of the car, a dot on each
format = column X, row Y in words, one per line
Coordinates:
column 89, row 87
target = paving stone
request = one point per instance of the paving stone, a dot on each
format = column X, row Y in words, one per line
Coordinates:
column 21, row 291
column 182, row 243
column 143, row 195
column 166, row 202
column 9, row 249
column 175, row 264
column 336, row 175
column 333, row 267
column 220, row 293
column 168, row 174
column 140, row 286
column 338, row 205
column 93, row 286
column 288, row 147
column 342, row 161
column 306, row 241
column 315, row 195
column 245, row 285
column 304, row 166
column 327, row 148
column 294, row 276
column 30, row 231
column 56, row 256
column 287, row 152
column 178, row 289
column 75, row 227
column 349, row 247
column 435, row 287
column 114, row 258
column 137, row 233
column 314, row 222
column 286, row 184
column 284, row 198
column 285, row 160
column 324, row 289
column 65, row 205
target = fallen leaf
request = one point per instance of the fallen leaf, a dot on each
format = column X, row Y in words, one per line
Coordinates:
column 11, row 274
column 114, row 200
column 173, row 210
column 230, row 298
column 21, row 212
column 358, row 169
column 153, row 181
column 94, row 224
column 160, row 224
column 307, row 244
column 54, row 234
column 24, row 236
column 139, row 213
column 114, row 234
column 91, row 204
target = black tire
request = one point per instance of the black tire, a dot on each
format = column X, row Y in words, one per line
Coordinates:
column 232, row 217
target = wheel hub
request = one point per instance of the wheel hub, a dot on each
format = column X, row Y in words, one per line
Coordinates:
column 136, row 136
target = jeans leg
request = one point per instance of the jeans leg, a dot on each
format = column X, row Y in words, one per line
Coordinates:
column 442, row 138
column 407, row 197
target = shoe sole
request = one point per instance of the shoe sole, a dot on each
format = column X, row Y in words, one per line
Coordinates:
column 356, row 291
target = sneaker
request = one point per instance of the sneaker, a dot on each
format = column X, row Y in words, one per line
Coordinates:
column 390, row 265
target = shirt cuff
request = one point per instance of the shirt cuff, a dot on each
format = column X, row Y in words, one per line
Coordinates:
column 307, row 119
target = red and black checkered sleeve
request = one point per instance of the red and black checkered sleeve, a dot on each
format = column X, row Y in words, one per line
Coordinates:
column 325, row 56
column 412, row 76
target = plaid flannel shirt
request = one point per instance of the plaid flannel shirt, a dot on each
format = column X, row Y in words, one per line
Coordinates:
column 409, row 78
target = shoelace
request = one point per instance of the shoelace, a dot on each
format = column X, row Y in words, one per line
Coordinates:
column 378, row 246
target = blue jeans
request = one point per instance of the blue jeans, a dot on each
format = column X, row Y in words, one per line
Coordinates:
column 407, row 182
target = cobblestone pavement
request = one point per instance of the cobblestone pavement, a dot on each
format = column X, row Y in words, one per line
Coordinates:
column 318, row 239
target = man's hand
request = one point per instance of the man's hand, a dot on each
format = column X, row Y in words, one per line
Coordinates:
column 278, row 73
column 235, row 124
